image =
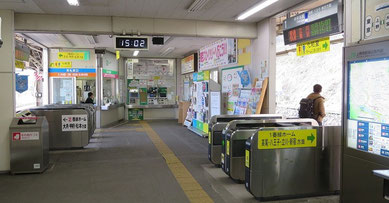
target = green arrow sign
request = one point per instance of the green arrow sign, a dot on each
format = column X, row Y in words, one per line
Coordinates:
column 311, row 138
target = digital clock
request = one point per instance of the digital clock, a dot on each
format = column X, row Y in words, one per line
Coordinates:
column 131, row 43
column 316, row 29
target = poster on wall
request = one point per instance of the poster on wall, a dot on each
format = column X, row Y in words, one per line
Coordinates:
column 188, row 64
column 215, row 103
column 231, row 83
column 219, row 53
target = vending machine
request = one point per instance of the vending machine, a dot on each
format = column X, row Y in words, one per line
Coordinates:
column 365, row 165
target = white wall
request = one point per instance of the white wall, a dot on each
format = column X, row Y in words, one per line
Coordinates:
column 263, row 59
column 7, row 87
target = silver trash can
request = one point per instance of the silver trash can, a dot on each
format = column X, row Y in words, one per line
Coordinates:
column 29, row 148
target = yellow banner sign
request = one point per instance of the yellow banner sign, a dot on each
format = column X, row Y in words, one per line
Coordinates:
column 313, row 46
column 71, row 55
column 280, row 139
column 61, row 64
column 209, row 137
column 20, row 64
column 247, row 160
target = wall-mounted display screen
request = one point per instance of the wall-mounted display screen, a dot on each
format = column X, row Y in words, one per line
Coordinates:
column 368, row 106
column 316, row 29
column 131, row 43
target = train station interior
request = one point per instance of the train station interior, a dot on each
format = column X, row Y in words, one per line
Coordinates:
column 279, row 101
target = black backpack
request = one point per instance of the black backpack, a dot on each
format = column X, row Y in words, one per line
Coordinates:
column 306, row 108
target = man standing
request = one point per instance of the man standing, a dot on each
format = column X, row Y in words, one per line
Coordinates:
column 318, row 104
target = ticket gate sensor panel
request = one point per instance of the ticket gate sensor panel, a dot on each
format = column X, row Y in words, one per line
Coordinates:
column 216, row 126
column 235, row 138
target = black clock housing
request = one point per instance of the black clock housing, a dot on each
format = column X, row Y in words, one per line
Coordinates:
column 131, row 43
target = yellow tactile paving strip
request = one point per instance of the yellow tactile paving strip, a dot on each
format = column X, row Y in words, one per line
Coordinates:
column 189, row 185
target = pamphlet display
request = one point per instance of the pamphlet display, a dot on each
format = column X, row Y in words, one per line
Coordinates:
column 205, row 101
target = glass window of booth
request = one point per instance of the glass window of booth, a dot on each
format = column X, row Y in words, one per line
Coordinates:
column 151, row 81
column 110, row 80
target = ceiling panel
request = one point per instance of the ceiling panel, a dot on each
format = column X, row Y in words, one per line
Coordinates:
column 182, row 45
column 217, row 10
column 22, row 6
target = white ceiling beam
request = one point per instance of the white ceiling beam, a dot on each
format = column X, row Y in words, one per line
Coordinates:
column 144, row 26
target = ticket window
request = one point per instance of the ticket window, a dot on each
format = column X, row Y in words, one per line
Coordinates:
column 110, row 91
column 63, row 90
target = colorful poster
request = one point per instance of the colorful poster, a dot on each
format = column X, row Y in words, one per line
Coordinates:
column 219, row 53
column 21, row 83
column 231, row 83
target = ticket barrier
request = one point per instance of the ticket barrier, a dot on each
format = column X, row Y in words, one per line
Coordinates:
column 70, row 126
column 293, row 162
column 216, row 126
column 88, row 107
column 235, row 136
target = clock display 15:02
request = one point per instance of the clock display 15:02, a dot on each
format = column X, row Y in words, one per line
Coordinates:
column 132, row 43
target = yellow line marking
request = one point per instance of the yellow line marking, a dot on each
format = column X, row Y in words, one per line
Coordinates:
column 189, row 185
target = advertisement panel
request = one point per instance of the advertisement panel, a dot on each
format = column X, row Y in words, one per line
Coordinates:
column 217, row 54
column 188, row 64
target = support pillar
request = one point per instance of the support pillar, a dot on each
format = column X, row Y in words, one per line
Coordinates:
column 7, row 87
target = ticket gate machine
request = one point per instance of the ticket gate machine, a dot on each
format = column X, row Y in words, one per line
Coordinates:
column 216, row 126
column 235, row 136
column 293, row 162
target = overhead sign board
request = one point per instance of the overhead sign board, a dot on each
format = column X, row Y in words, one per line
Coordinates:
column 76, row 55
column 61, row 64
column 313, row 46
column 280, row 139
column 318, row 22
column 131, row 43
column 376, row 23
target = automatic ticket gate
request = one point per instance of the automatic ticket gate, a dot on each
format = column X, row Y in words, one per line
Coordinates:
column 293, row 162
column 216, row 126
column 235, row 136
column 70, row 126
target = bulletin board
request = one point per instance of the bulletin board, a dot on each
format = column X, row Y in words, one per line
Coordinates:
column 231, row 84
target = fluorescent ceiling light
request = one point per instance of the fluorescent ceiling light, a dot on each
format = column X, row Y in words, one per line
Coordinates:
column 136, row 53
column 255, row 9
column 197, row 5
column 73, row 2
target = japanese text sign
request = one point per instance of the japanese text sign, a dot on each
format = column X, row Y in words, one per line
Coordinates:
column 280, row 139
column 74, row 122
column 313, row 46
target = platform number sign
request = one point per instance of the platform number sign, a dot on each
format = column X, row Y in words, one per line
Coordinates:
column 74, row 122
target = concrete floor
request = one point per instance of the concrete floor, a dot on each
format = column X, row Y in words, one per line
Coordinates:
column 121, row 164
